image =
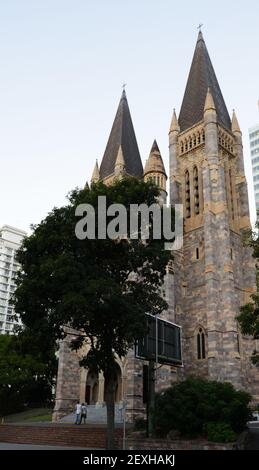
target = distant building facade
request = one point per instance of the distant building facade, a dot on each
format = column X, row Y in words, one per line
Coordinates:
column 254, row 152
column 213, row 274
column 10, row 241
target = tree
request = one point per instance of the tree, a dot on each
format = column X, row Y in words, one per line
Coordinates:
column 190, row 406
column 100, row 288
column 249, row 313
column 27, row 372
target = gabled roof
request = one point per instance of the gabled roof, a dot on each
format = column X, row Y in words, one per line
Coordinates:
column 201, row 77
column 122, row 134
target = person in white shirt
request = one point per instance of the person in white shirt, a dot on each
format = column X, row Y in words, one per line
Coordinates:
column 78, row 413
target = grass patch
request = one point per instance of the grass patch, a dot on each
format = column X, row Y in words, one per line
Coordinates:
column 30, row 416
column 40, row 418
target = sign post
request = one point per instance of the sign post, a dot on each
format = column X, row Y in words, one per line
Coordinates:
column 161, row 345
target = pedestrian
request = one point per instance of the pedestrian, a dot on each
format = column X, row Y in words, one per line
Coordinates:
column 83, row 413
column 78, row 413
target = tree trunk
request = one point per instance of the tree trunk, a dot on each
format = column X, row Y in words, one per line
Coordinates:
column 109, row 388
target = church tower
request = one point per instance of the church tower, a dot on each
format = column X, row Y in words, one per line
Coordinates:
column 214, row 272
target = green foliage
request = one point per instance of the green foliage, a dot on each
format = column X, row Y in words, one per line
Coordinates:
column 86, row 284
column 249, row 322
column 102, row 288
column 192, row 404
column 220, row 432
column 140, row 424
column 249, row 313
column 26, row 372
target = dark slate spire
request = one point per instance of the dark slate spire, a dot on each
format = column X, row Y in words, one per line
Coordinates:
column 201, row 77
column 122, row 134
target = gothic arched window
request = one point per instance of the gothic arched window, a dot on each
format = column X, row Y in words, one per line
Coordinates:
column 201, row 352
column 196, row 190
column 187, row 195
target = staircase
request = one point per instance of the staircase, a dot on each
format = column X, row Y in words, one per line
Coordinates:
column 95, row 415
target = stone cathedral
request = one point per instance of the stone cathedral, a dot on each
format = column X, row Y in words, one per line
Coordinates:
column 213, row 274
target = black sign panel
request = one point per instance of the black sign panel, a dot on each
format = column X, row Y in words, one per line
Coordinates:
column 162, row 342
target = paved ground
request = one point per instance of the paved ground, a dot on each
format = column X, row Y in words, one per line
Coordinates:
column 7, row 446
column 253, row 436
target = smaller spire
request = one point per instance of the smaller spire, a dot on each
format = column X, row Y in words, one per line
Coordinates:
column 235, row 125
column 86, row 185
column 120, row 161
column 174, row 127
column 120, row 165
column 154, row 162
column 154, row 147
column 96, row 173
column 209, row 102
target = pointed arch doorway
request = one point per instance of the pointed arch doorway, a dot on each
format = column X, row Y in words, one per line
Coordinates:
column 91, row 388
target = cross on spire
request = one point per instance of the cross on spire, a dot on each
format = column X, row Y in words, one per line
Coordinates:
column 124, row 86
column 200, row 26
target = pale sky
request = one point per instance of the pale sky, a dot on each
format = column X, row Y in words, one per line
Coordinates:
column 63, row 63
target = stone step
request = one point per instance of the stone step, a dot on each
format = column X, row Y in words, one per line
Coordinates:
column 95, row 414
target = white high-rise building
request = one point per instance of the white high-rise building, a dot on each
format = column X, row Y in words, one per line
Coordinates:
column 10, row 240
column 254, row 150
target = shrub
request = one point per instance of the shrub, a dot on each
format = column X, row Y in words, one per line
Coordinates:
column 190, row 405
column 220, row 432
column 140, row 424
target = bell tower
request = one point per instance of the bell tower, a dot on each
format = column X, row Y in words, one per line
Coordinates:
column 214, row 272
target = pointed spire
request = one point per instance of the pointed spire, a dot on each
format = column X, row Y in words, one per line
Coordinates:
column 201, row 76
column 120, row 158
column 209, row 102
column 96, row 173
column 154, row 162
column 120, row 165
column 87, row 185
column 200, row 36
column 235, row 124
column 174, row 124
column 122, row 135
column 154, row 148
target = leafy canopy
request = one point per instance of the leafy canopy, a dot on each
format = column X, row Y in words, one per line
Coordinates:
column 102, row 288
column 26, row 371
